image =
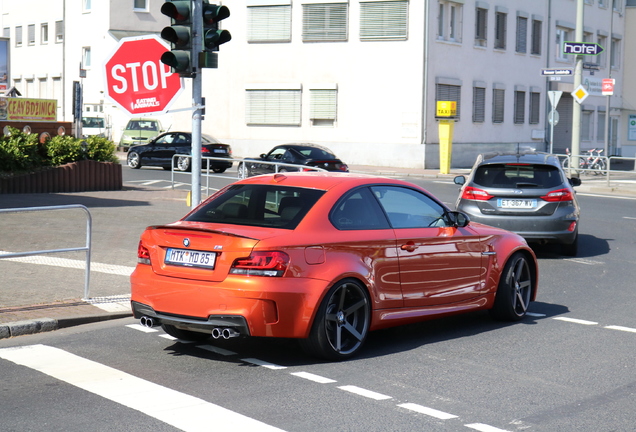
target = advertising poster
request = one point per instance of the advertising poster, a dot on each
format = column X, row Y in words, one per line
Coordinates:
column 631, row 128
column 22, row 109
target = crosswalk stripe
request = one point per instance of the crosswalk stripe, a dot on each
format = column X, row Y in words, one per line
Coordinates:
column 177, row 409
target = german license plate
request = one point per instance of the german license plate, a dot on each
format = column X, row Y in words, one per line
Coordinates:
column 190, row 258
column 516, row 203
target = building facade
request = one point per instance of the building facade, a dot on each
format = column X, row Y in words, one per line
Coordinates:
column 361, row 77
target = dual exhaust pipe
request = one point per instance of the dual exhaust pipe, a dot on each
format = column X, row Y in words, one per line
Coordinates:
column 217, row 332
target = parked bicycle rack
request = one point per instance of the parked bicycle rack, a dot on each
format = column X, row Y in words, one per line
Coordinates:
column 86, row 248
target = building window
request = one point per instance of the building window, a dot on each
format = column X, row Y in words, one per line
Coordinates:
column 323, row 107
column 481, row 26
column 562, row 36
column 522, row 35
column 139, row 5
column 59, row 31
column 536, row 37
column 86, row 5
column 535, row 107
column 446, row 92
column 600, row 129
column 520, row 107
column 616, row 5
column 586, row 125
column 449, row 21
column 384, row 20
column 6, row 32
column 590, row 2
column 18, row 36
column 86, row 57
column 601, row 59
column 44, row 33
column 479, row 104
column 31, row 34
column 615, row 55
column 498, row 99
column 325, row 22
column 602, row 3
column 273, row 107
column 269, row 23
column 500, row 30
column 42, row 91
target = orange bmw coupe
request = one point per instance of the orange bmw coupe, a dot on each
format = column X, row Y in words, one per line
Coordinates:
column 324, row 258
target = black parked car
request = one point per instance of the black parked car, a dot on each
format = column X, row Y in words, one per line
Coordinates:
column 159, row 152
column 527, row 193
column 307, row 154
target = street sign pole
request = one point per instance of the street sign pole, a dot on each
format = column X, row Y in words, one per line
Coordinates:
column 578, row 70
column 197, row 45
column 553, row 97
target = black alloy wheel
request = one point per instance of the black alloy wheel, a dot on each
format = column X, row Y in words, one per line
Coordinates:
column 515, row 289
column 342, row 322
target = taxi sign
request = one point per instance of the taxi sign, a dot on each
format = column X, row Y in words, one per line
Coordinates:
column 446, row 109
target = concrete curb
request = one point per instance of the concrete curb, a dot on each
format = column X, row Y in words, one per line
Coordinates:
column 41, row 325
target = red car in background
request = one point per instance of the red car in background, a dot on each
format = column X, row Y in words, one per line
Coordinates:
column 324, row 258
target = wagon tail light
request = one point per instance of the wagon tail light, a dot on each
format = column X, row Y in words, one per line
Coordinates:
column 271, row 263
column 558, row 196
column 143, row 255
column 476, row 194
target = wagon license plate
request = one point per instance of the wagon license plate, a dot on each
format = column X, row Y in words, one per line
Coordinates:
column 517, row 203
column 190, row 258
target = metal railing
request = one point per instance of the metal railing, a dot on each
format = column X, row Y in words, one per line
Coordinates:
column 86, row 248
column 605, row 171
column 205, row 168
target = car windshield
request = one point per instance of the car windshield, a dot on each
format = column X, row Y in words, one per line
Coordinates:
column 517, row 175
column 92, row 122
column 142, row 125
column 258, row 205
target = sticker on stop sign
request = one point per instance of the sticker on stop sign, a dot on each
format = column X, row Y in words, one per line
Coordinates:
column 137, row 81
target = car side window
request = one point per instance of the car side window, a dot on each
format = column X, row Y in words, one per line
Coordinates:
column 408, row 208
column 277, row 154
column 358, row 210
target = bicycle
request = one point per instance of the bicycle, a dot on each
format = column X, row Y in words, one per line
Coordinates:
column 592, row 162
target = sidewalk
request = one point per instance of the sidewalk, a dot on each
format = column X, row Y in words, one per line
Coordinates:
column 141, row 207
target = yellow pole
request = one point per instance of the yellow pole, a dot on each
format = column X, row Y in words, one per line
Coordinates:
column 445, row 145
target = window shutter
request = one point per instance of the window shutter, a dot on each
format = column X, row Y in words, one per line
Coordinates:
column 446, row 92
column 384, row 20
column 479, row 104
column 522, row 32
column 269, row 23
column 273, row 107
column 323, row 104
column 520, row 107
column 535, row 107
column 536, row 37
column 498, row 100
column 325, row 22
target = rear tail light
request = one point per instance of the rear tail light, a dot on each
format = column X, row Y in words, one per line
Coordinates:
column 473, row 193
column 143, row 255
column 559, row 195
column 205, row 150
column 343, row 167
column 572, row 226
column 269, row 263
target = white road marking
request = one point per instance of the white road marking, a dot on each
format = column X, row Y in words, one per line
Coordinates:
column 576, row 321
column 177, row 409
column 532, row 314
column 265, row 364
column 484, row 428
column 172, row 338
column 141, row 328
column 625, row 329
column 605, row 196
column 366, row 393
column 151, row 182
column 316, row 378
column 627, row 217
column 427, row 411
column 583, row 261
column 71, row 263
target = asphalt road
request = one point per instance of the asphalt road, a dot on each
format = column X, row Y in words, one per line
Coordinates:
column 569, row 366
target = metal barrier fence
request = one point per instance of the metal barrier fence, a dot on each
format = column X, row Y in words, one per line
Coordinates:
column 603, row 167
column 86, row 248
column 205, row 168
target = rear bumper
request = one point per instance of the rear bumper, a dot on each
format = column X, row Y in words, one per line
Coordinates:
column 533, row 228
column 254, row 306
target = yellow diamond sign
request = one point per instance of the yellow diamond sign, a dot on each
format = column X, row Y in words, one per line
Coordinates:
column 580, row 94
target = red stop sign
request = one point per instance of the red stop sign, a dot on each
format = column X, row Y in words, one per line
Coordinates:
column 137, row 81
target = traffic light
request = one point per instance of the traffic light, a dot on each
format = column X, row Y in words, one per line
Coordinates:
column 212, row 35
column 179, row 34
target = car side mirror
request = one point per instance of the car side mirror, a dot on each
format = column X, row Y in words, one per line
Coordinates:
column 575, row 181
column 263, row 156
column 458, row 219
column 459, row 180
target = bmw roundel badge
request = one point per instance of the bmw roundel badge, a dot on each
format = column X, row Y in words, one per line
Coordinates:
column 186, row 242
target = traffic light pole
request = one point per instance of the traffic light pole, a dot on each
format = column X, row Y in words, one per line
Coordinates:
column 197, row 84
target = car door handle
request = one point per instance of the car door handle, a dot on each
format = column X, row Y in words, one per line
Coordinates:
column 409, row 246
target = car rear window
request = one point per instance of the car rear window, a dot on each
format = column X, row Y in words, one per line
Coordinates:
column 258, row 205
column 517, row 176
